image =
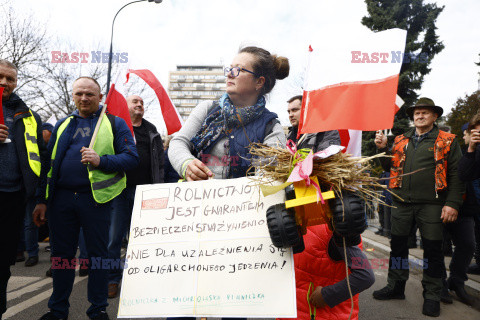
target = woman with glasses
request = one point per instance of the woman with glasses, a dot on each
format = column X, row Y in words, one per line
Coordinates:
column 213, row 143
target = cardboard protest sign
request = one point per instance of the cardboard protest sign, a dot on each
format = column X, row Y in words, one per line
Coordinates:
column 203, row 249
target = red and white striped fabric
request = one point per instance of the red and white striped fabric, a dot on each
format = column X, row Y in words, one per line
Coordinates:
column 351, row 82
column 117, row 105
column 171, row 117
column 352, row 141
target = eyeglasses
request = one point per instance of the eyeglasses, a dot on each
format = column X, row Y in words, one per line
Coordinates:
column 235, row 71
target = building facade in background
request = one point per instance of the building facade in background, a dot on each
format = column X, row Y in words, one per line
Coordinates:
column 190, row 85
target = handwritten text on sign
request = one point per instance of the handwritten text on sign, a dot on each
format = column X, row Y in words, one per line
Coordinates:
column 203, row 249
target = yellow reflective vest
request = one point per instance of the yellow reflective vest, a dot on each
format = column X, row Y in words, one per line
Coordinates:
column 105, row 186
column 31, row 143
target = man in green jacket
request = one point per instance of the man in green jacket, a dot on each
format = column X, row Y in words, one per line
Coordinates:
column 423, row 170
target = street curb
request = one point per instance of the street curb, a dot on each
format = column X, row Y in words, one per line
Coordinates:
column 473, row 285
column 385, row 249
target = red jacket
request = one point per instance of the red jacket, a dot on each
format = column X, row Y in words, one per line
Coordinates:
column 315, row 265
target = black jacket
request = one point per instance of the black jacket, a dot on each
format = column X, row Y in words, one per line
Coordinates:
column 157, row 154
column 30, row 179
column 171, row 176
column 469, row 166
column 315, row 141
column 468, row 171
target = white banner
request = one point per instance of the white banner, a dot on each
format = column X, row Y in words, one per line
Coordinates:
column 203, row 249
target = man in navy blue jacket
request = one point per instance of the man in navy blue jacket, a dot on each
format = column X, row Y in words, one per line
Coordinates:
column 22, row 159
column 78, row 190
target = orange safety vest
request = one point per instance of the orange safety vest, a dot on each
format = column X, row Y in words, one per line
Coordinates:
column 441, row 150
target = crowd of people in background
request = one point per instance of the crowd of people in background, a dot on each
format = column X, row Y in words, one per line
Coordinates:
column 86, row 191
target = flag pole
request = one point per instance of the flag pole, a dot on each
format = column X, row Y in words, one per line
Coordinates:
column 304, row 96
column 97, row 127
column 301, row 139
column 100, row 118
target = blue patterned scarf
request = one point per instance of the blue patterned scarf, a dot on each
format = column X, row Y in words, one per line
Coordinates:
column 222, row 121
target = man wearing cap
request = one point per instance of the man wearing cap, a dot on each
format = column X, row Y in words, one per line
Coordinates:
column 423, row 170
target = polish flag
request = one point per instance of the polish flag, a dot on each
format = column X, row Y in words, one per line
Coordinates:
column 352, row 141
column 351, row 82
column 171, row 117
column 117, row 106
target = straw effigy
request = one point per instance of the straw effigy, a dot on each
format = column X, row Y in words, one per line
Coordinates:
column 339, row 172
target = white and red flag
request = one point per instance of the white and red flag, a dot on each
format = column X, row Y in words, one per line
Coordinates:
column 351, row 82
column 352, row 141
column 171, row 117
column 117, row 106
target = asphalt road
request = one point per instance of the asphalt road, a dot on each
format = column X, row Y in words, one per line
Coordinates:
column 29, row 290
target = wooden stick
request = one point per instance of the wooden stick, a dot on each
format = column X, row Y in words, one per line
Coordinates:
column 97, row 127
column 301, row 139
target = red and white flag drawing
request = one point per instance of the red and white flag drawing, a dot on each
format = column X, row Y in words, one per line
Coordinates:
column 351, row 82
column 171, row 117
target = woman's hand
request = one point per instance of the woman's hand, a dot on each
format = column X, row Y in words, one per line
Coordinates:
column 197, row 170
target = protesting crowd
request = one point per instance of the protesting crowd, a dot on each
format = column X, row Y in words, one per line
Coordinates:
column 85, row 190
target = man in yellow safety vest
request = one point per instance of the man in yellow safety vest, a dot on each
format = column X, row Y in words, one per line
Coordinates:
column 78, row 190
column 22, row 158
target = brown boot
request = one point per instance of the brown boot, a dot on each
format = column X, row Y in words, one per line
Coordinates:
column 112, row 290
